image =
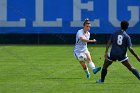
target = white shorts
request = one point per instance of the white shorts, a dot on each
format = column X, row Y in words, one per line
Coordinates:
column 76, row 54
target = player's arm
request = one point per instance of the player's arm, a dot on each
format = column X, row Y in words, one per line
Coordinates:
column 86, row 40
column 107, row 47
column 132, row 52
column 131, row 49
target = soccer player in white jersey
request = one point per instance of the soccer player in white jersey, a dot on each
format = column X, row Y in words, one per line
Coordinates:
column 81, row 51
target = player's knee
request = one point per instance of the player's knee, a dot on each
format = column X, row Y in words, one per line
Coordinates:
column 104, row 67
column 89, row 59
column 84, row 67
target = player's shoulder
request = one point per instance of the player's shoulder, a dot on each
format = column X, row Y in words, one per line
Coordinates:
column 120, row 32
column 80, row 31
column 125, row 34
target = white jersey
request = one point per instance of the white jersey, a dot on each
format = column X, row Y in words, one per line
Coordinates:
column 79, row 45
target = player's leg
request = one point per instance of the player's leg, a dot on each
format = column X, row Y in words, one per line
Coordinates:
column 84, row 66
column 82, row 62
column 106, row 64
column 131, row 68
column 91, row 64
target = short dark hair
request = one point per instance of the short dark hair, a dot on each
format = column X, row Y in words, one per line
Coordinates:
column 86, row 22
column 124, row 24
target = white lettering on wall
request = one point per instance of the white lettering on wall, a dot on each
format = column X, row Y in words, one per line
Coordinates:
column 39, row 14
column 3, row 17
column 113, row 14
column 77, row 7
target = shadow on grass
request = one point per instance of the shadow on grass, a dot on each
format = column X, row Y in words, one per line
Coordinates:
column 111, row 83
column 61, row 78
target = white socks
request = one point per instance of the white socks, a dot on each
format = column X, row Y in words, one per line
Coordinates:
column 91, row 65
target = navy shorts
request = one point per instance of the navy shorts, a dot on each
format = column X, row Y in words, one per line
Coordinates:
column 121, row 58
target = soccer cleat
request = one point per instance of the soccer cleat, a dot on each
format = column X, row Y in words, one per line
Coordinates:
column 99, row 81
column 95, row 70
column 88, row 75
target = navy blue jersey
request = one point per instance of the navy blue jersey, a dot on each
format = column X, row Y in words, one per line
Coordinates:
column 120, row 42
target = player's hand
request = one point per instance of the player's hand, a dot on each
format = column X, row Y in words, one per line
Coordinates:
column 94, row 40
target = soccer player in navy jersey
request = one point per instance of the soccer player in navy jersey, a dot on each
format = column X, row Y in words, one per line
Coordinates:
column 119, row 42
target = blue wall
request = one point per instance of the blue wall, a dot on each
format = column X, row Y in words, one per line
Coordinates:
column 108, row 14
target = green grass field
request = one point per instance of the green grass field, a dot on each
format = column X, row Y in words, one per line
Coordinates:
column 53, row 69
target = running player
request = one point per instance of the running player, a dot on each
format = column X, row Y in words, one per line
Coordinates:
column 81, row 51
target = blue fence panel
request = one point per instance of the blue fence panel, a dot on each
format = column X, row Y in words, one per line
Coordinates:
column 66, row 16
